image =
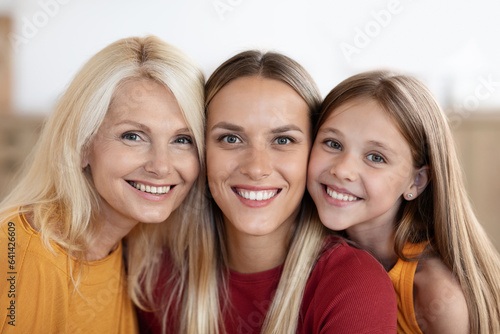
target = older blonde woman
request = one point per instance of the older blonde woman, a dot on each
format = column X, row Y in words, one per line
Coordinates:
column 116, row 161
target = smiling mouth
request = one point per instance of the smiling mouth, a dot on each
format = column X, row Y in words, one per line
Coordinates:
column 261, row 195
column 151, row 189
column 340, row 196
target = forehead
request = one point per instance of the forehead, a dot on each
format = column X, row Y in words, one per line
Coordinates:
column 362, row 109
column 250, row 96
column 366, row 118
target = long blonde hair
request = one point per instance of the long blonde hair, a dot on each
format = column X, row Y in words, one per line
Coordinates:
column 60, row 195
column 305, row 243
column 442, row 214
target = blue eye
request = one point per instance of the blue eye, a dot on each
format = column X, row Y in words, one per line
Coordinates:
column 375, row 158
column 183, row 140
column 131, row 136
column 283, row 140
column 230, row 139
column 333, row 144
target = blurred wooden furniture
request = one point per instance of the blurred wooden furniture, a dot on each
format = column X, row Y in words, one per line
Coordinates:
column 5, row 65
column 478, row 141
column 18, row 135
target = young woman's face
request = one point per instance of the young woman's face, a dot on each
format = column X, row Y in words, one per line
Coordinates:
column 360, row 166
column 143, row 160
column 258, row 141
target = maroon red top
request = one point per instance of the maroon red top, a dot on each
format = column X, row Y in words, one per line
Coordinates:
column 348, row 292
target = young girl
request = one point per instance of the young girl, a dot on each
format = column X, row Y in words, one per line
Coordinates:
column 275, row 268
column 384, row 170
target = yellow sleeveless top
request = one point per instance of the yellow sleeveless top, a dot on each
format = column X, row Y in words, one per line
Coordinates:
column 37, row 293
column 402, row 276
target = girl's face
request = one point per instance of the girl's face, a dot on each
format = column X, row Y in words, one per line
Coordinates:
column 360, row 166
column 143, row 160
column 258, row 141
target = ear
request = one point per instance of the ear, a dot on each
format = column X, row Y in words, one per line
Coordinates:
column 85, row 159
column 421, row 180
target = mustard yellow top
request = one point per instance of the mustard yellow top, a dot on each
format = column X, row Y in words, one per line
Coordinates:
column 402, row 275
column 37, row 294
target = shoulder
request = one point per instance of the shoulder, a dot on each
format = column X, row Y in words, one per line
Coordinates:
column 349, row 292
column 353, row 269
column 338, row 253
column 440, row 305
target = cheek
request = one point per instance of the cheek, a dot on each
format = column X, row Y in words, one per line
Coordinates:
column 317, row 163
column 220, row 164
column 189, row 167
column 294, row 170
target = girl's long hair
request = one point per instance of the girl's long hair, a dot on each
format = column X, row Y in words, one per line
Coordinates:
column 442, row 214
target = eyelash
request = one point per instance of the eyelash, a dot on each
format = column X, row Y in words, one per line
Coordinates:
column 188, row 140
column 330, row 142
column 127, row 136
column 224, row 138
column 377, row 156
column 289, row 139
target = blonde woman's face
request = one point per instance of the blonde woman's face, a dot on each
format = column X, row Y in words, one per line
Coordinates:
column 258, row 141
column 360, row 166
column 143, row 159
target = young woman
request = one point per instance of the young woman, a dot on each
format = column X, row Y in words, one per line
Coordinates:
column 275, row 269
column 384, row 170
column 120, row 149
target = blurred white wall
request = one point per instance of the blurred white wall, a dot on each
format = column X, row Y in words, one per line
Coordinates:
column 452, row 46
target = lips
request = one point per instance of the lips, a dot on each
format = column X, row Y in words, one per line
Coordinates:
column 155, row 190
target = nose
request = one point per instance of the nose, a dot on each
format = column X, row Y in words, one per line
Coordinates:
column 344, row 167
column 158, row 161
column 256, row 164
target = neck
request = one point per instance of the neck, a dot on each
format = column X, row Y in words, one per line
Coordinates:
column 107, row 239
column 378, row 240
column 253, row 254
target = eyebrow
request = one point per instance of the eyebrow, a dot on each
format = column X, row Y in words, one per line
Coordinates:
column 135, row 124
column 227, row 126
column 145, row 128
column 233, row 127
column 286, row 128
column 381, row 145
column 332, row 130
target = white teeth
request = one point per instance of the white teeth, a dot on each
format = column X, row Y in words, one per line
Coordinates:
column 151, row 189
column 257, row 195
column 342, row 197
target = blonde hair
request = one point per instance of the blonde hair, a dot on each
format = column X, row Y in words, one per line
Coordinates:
column 305, row 243
column 442, row 214
column 60, row 195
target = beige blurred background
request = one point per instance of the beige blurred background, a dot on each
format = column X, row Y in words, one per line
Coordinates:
column 452, row 48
